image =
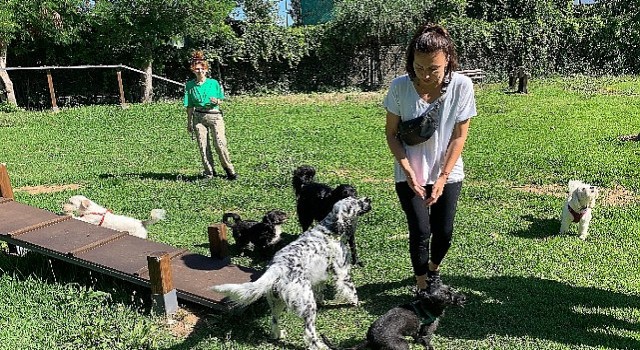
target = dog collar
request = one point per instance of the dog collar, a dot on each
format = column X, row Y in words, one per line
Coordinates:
column 577, row 215
column 426, row 318
column 101, row 214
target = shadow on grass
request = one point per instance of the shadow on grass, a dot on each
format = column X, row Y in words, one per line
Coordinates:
column 247, row 326
column 541, row 309
column 525, row 308
column 178, row 177
column 539, row 228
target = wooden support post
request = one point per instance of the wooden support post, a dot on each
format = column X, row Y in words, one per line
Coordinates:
column 7, row 192
column 218, row 244
column 5, row 183
column 163, row 294
column 54, row 104
column 123, row 104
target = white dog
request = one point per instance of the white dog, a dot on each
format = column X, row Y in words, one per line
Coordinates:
column 577, row 208
column 297, row 273
column 84, row 209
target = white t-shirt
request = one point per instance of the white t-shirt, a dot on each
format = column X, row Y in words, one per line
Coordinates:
column 427, row 158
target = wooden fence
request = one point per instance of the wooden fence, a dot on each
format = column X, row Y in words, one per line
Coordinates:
column 118, row 68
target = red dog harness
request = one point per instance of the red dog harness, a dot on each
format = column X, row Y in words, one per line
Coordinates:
column 101, row 214
column 577, row 215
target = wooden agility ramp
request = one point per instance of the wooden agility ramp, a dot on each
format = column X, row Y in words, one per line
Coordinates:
column 170, row 272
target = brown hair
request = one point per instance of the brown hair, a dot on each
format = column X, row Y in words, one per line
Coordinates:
column 430, row 38
column 197, row 57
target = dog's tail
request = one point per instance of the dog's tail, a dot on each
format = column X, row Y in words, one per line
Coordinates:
column 244, row 294
column 303, row 175
column 363, row 345
column 156, row 215
column 226, row 216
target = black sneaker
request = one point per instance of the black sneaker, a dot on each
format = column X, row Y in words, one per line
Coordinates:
column 231, row 176
column 434, row 281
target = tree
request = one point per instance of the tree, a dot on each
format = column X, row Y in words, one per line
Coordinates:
column 367, row 26
column 57, row 21
column 145, row 28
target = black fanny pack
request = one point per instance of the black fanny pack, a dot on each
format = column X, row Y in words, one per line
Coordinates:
column 420, row 129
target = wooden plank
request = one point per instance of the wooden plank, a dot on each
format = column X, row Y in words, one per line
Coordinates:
column 15, row 215
column 39, row 225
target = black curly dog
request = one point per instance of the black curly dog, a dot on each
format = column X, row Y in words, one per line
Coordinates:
column 418, row 319
column 262, row 235
column 315, row 201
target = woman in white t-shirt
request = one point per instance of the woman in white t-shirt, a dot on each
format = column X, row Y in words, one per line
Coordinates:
column 429, row 175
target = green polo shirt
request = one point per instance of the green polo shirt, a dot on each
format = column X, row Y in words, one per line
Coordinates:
column 198, row 95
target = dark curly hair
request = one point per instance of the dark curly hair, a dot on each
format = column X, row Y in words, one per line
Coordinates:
column 430, row 38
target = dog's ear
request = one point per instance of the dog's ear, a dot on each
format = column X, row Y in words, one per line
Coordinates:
column 85, row 203
column 573, row 185
column 458, row 299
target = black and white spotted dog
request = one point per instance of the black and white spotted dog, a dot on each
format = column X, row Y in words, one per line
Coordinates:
column 314, row 200
column 297, row 274
column 418, row 319
column 261, row 234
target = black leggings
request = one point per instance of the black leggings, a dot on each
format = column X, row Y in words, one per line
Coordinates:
column 424, row 220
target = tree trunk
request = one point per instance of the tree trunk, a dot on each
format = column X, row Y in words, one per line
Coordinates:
column 4, row 75
column 147, row 85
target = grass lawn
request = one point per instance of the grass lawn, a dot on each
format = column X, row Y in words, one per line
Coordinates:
column 528, row 287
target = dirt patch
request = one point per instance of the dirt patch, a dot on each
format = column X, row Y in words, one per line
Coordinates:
column 182, row 323
column 48, row 188
column 546, row 190
column 321, row 98
column 616, row 196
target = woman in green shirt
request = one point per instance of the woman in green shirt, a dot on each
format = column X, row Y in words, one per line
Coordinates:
column 202, row 97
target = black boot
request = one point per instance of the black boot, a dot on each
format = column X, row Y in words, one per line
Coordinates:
column 230, row 175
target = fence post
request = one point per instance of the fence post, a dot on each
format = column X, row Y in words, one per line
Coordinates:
column 163, row 294
column 54, row 105
column 123, row 104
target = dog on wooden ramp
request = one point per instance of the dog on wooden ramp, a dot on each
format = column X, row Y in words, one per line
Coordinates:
column 84, row 209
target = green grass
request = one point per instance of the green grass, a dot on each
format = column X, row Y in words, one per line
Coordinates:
column 528, row 286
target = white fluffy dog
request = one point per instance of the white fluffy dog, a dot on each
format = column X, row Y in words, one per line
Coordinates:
column 297, row 273
column 577, row 208
column 84, row 209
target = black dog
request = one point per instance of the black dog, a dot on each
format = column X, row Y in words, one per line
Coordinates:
column 418, row 319
column 315, row 201
column 261, row 234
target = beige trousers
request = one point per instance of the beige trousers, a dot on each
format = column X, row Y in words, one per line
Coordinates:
column 214, row 123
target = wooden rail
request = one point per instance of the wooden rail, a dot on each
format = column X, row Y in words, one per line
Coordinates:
column 118, row 67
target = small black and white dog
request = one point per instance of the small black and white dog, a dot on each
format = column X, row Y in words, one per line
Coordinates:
column 297, row 274
column 262, row 235
column 418, row 319
column 315, row 200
